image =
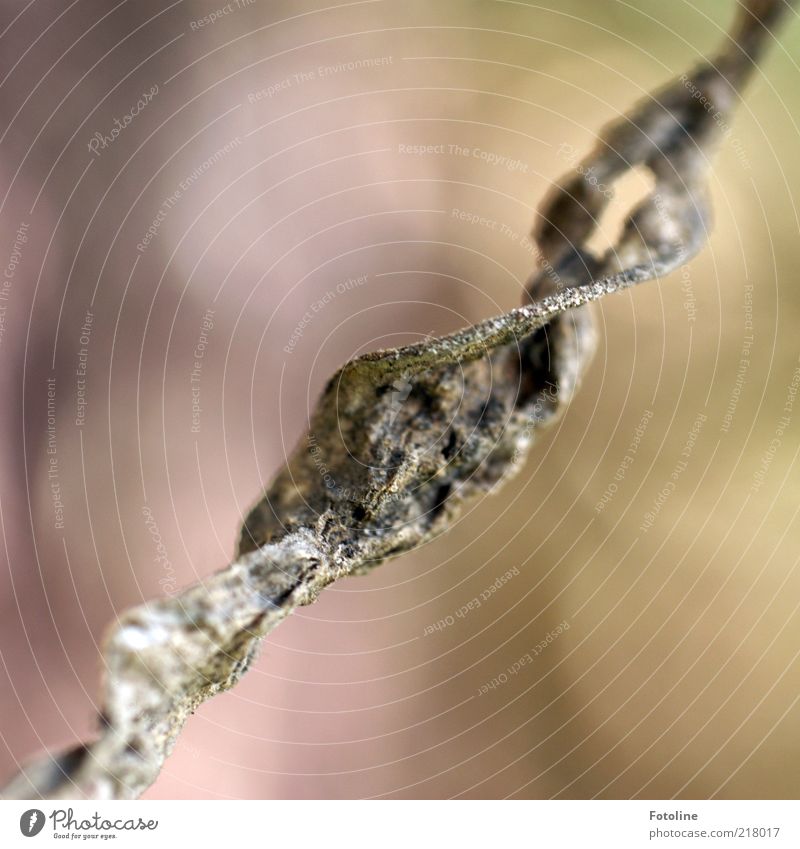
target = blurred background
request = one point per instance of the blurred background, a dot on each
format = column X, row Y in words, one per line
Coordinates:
column 182, row 183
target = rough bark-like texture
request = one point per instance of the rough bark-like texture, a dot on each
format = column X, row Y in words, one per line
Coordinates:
column 402, row 438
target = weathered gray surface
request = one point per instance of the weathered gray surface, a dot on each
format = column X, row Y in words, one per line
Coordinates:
column 402, row 438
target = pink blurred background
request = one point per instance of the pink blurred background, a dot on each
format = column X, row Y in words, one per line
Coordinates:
column 275, row 160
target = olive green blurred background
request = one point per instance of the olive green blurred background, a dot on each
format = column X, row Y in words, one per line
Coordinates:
column 678, row 674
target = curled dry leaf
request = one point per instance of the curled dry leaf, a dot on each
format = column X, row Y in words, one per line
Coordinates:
column 401, row 439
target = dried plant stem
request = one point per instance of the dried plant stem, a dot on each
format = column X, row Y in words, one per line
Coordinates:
column 396, row 473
